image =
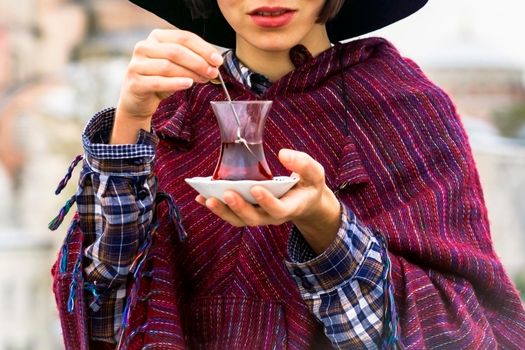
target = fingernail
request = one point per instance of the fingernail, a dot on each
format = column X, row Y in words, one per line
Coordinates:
column 256, row 193
column 229, row 200
column 285, row 155
column 216, row 58
column 212, row 72
column 187, row 82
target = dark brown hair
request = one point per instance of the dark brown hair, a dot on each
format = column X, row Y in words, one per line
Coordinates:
column 201, row 9
column 330, row 9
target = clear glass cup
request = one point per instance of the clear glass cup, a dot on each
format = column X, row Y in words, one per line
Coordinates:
column 239, row 160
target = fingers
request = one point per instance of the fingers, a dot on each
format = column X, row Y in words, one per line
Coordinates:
column 163, row 68
column 191, row 41
column 270, row 204
column 308, row 169
column 237, row 211
column 248, row 213
column 166, row 62
column 172, row 54
column 145, row 84
column 221, row 210
column 295, row 203
column 153, row 58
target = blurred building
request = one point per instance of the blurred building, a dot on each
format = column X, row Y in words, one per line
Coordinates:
column 481, row 81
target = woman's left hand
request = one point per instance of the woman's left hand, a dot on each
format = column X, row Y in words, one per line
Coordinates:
column 310, row 204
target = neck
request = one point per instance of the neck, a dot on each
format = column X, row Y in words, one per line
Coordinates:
column 275, row 64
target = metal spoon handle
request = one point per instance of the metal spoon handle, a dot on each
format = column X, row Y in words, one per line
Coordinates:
column 230, row 100
column 240, row 139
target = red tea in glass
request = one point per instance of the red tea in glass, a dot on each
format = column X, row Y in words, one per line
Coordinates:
column 242, row 160
column 236, row 162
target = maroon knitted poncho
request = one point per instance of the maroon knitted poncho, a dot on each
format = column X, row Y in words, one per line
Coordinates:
column 395, row 153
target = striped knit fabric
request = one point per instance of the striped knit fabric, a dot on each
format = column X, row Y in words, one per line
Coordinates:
column 394, row 151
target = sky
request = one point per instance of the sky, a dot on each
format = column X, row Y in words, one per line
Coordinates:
column 496, row 28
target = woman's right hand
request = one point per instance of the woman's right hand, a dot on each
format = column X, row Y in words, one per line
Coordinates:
column 169, row 60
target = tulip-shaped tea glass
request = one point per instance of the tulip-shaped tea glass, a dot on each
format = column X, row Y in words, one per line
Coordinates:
column 242, row 155
column 241, row 164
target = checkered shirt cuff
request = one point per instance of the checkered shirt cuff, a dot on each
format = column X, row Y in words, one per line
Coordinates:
column 344, row 287
column 337, row 264
column 122, row 160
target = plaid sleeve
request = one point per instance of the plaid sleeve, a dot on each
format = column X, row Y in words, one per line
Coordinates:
column 115, row 209
column 346, row 286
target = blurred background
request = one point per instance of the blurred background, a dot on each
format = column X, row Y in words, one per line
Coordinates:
column 61, row 61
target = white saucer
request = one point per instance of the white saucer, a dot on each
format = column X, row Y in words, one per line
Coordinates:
column 207, row 187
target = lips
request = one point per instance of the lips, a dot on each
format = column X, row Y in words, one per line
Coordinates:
column 272, row 17
column 270, row 13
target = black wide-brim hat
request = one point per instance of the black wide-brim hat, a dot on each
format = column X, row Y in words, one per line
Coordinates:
column 356, row 17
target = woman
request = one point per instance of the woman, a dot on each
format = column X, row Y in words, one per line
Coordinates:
column 382, row 159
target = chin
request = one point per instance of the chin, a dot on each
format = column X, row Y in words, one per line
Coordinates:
column 272, row 42
column 272, row 47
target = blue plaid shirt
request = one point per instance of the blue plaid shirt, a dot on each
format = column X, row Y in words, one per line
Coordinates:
column 347, row 287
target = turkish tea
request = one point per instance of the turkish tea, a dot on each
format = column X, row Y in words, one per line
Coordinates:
column 241, row 124
column 237, row 162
